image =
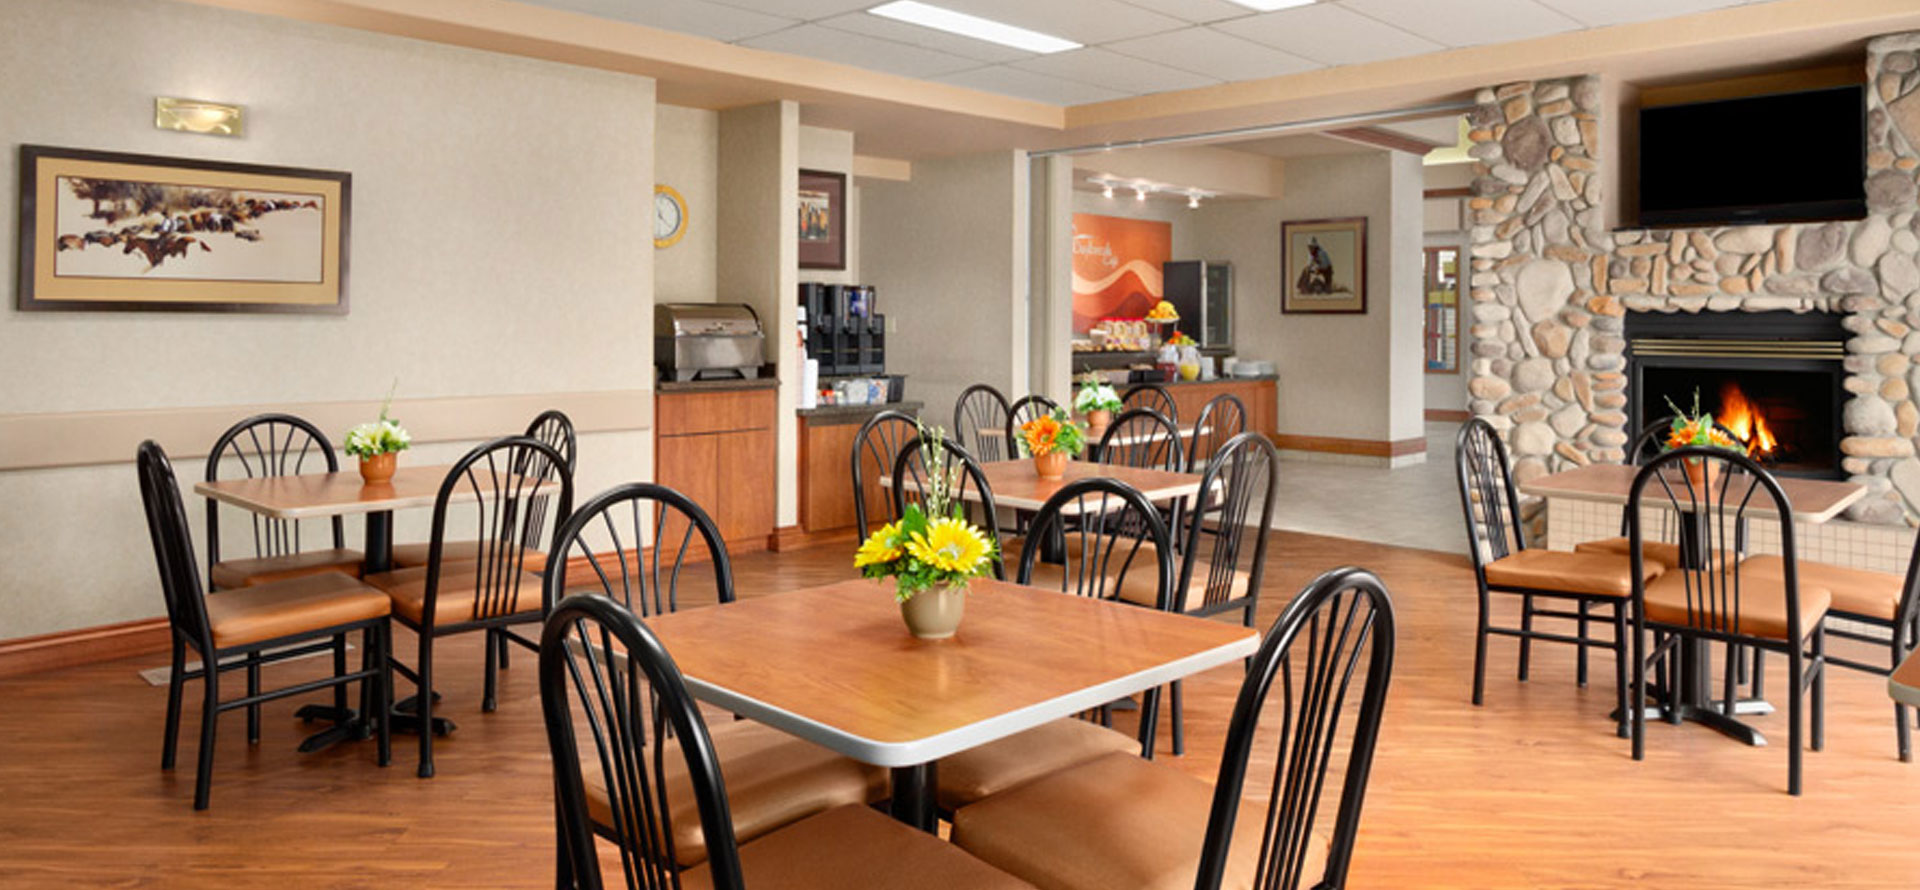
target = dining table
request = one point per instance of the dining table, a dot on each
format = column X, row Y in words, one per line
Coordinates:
column 1812, row 501
column 836, row 666
column 1016, row 485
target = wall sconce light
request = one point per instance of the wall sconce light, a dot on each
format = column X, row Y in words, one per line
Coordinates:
column 1193, row 200
column 196, row 116
column 1106, row 190
column 1140, row 192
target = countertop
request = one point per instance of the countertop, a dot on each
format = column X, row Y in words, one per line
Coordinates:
column 1220, row 379
column 716, row 385
column 829, row 415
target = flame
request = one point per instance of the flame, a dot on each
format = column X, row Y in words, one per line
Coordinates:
column 1743, row 419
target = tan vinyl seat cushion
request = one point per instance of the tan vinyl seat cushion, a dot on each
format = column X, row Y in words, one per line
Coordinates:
column 989, row 769
column 772, row 779
column 1762, row 605
column 1665, row 554
column 408, row 556
column 856, row 848
column 455, row 603
column 294, row 605
column 229, row 574
column 1594, row 574
column 1114, row 822
column 1855, row 591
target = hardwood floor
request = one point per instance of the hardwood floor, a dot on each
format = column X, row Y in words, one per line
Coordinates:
column 1531, row 790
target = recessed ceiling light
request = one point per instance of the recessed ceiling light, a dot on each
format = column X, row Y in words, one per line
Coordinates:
column 1271, row 5
column 939, row 19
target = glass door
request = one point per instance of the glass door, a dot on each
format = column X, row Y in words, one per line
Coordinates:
column 1441, row 270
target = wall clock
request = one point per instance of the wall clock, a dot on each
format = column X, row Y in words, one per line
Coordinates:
column 669, row 216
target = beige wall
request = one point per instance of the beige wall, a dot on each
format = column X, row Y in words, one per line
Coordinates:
column 686, row 145
column 492, row 254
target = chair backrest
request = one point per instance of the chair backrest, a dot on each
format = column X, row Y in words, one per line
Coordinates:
column 874, row 447
column 555, row 428
column 1221, row 419
column 1028, row 408
column 1246, row 473
column 1715, row 492
column 1144, row 439
column 172, row 547
column 912, row 477
column 1114, row 531
column 1150, row 395
column 1340, row 625
column 632, row 543
column 1487, row 495
column 270, row 445
column 506, row 482
column 606, row 678
column 979, row 418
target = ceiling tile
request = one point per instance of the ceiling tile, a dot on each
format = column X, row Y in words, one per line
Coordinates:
column 1195, row 11
column 871, row 53
column 1468, row 22
column 1214, row 54
column 1114, row 71
column 1028, row 85
column 1615, row 12
column 798, row 9
column 888, row 29
column 1090, row 22
column 695, row 17
column 1327, row 33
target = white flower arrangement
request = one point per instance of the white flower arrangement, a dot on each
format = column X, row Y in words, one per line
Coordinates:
column 1095, row 396
column 383, row 436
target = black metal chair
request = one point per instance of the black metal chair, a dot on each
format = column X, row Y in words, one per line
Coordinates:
column 1105, row 554
column 1143, row 438
column 979, row 420
column 1119, row 821
column 638, row 701
column 1710, row 596
column 912, row 478
column 262, row 624
column 1150, row 395
column 1222, row 418
column 636, row 544
column 1026, row 409
column 1503, row 563
column 1666, row 549
column 874, row 447
column 555, row 430
column 503, row 483
column 266, row 445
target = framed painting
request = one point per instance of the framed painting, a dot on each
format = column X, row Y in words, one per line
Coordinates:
column 823, row 220
column 108, row 231
column 1325, row 261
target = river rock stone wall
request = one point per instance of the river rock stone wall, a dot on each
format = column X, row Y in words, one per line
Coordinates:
column 1550, row 285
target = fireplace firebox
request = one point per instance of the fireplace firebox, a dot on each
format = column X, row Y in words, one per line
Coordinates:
column 1774, row 379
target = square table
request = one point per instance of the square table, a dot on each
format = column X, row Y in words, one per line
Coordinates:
column 323, row 495
column 836, row 666
column 1016, row 485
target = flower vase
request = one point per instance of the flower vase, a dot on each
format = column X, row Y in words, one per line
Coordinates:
column 1051, row 465
column 1097, row 422
column 1701, row 472
column 934, row 613
column 378, row 469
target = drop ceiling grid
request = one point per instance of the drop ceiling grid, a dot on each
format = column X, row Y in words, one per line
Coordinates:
column 1133, row 47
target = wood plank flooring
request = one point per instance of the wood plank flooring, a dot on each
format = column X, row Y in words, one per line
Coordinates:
column 1532, row 790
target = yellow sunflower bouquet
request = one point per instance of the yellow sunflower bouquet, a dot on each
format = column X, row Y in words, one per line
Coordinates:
column 934, row 547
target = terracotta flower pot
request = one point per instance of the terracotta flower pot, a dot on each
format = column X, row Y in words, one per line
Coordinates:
column 1051, row 465
column 378, row 470
column 1701, row 472
column 1097, row 423
column 934, row 613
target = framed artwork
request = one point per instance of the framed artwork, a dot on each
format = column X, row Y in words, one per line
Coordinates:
column 823, row 220
column 1117, row 267
column 1325, row 261
column 108, row 231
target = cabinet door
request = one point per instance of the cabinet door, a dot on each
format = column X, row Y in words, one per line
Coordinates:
column 690, row 465
column 746, row 485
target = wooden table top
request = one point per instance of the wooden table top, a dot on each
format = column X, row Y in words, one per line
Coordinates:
column 1016, row 485
column 328, row 494
column 1904, row 685
column 1813, row 500
column 835, row 664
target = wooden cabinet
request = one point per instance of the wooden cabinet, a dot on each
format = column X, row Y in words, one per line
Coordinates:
column 1260, row 397
column 717, row 447
column 826, row 469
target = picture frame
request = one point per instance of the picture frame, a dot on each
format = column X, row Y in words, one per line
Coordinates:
column 822, row 223
column 111, row 231
column 1323, row 265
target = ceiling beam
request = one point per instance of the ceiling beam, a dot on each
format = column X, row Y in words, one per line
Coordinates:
column 1377, row 137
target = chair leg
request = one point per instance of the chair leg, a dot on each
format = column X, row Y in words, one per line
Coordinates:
column 382, row 681
column 209, row 712
column 340, row 669
column 1637, row 715
column 1902, row 733
column 1796, row 702
column 1580, row 669
column 1759, row 672
column 1819, row 688
column 1526, row 641
column 1620, row 668
column 1480, row 653
column 487, row 700
column 171, row 744
column 1179, row 736
column 425, row 709
column 253, row 689
column 506, row 647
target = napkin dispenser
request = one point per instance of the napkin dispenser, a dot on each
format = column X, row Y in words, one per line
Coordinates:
column 707, row 341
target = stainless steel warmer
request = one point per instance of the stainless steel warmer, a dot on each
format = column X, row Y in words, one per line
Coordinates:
column 707, row 341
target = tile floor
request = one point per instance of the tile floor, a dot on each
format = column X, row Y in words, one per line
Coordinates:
column 1416, row 506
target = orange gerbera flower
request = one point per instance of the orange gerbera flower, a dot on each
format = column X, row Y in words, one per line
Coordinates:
column 1040, row 434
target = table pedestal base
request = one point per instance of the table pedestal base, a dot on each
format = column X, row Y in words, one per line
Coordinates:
column 913, row 796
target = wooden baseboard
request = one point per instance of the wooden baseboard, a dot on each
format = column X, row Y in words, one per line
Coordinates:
column 1360, row 447
column 794, row 537
column 87, row 645
column 1442, row 414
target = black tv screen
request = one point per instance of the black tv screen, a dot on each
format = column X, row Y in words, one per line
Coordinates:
column 1789, row 157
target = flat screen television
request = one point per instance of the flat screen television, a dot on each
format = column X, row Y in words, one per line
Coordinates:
column 1787, row 157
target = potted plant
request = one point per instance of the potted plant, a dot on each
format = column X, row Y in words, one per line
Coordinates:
column 932, row 552
column 1697, row 428
column 1051, row 439
column 378, row 445
column 1097, row 400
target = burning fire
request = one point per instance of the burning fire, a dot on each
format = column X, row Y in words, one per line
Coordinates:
column 1742, row 418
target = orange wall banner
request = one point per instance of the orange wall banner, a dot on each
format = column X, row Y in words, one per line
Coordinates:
column 1116, row 267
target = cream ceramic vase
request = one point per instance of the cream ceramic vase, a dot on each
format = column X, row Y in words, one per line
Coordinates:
column 934, row 613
